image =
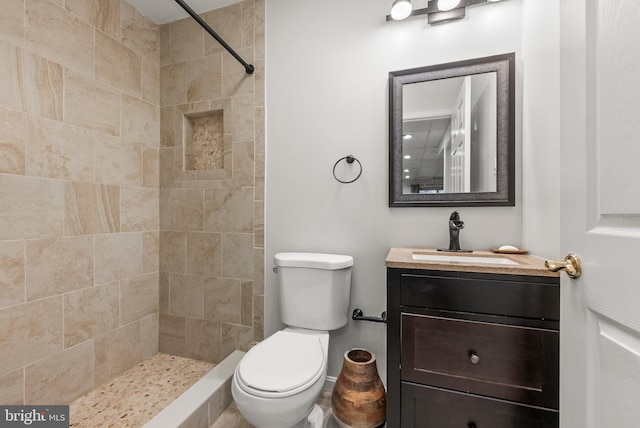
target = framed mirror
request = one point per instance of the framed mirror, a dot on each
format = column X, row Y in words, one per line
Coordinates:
column 452, row 134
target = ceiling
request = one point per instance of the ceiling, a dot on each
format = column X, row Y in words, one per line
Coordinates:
column 163, row 11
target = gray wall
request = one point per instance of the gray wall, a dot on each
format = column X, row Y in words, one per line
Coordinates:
column 327, row 66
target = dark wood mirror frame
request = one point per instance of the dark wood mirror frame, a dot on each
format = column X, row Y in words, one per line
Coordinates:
column 504, row 66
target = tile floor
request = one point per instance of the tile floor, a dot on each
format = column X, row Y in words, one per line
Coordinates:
column 137, row 395
column 231, row 417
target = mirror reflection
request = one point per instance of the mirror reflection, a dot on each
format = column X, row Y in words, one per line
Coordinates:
column 452, row 134
column 449, row 135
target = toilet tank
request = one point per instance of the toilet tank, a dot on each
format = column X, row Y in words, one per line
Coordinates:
column 314, row 289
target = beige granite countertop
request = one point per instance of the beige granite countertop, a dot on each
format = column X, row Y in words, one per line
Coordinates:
column 526, row 264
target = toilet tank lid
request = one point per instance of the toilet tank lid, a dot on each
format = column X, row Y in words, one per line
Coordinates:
column 314, row 260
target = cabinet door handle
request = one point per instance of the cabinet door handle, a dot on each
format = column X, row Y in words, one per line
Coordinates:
column 475, row 359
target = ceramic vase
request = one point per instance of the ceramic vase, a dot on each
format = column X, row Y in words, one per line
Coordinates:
column 359, row 399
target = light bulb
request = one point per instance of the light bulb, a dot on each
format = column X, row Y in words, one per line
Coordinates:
column 447, row 4
column 401, row 9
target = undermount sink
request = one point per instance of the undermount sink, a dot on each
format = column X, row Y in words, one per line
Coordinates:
column 467, row 258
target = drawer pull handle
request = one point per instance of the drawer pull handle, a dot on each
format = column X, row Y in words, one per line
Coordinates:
column 475, row 359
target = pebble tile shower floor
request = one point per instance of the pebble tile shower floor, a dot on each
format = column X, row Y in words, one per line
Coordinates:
column 136, row 396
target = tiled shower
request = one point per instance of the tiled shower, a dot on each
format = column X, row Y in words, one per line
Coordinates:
column 111, row 250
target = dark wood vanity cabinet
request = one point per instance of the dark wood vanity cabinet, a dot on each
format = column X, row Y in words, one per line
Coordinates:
column 472, row 350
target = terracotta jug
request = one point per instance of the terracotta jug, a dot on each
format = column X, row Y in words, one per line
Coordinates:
column 359, row 399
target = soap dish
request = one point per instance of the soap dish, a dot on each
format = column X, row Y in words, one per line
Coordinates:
column 517, row 251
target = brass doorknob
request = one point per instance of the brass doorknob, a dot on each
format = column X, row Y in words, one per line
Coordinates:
column 571, row 264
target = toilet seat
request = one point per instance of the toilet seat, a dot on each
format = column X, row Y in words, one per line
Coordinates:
column 281, row 365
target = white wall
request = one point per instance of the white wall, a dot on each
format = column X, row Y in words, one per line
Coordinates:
column 327, row 64
column 541, row 128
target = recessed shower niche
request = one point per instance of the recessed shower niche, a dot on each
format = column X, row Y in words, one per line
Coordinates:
column 205, row 146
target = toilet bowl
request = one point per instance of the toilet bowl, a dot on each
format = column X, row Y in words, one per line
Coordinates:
column 277, row 382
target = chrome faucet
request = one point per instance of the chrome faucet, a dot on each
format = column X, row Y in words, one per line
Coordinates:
column 455, row 225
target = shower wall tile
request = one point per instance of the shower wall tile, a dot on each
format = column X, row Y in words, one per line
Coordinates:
column 248, row 25
column 259, row 92
column 259, row 34
column 118, row 256
column 139, row 297
column 140, row 121
column 204, row 253
column 186, row 295
column 227, row 22
column 203, row 77
column 223, row 300
column 117, row 65
column 259, row 145
column 172, row 84
column 31, row 331
column 164, row 293
column 32, row 207
column 258, row 229
column 186, row 40
column 12, row 21
column 102, row 14
column 139, row 209
column 117, row 351
column 202, row 339
column 149, row 330
column 59, row 265
column 173, row 250
column 13, row 139
column 42, row 85
column 90, row 312
column 81, row 108
column 223, row 210
column 258, row 271
column 258, row 318
column 118, row 161
column 243, row 118
column 91, row 208
column 212, row 220
column 150, row 251
column 10, row 75
column 172, row 335
column 140, row 33
column 12, row 273
column 246, row 303
column 150, row 167
column 58, row 150
column 167, row 127
column 235, row 337
column 150, row 81
column 237, row 255
column 79, row 133
column 54, row 33
column 60, row 378
column 12, row 388
column 186, row 207
column 236, row 81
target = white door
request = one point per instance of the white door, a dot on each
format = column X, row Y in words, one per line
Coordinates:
column 600, row 151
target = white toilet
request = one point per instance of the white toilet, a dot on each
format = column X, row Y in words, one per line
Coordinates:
column 277, row 382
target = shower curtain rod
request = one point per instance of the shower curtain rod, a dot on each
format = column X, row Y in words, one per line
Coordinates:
column 248, row 67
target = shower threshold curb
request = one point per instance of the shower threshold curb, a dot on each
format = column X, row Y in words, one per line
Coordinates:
column 186, row 405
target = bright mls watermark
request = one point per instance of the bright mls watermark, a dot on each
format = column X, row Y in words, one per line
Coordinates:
column 34, row 416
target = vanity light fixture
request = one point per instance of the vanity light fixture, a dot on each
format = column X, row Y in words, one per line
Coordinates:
column 400, row 9
column 437, row 11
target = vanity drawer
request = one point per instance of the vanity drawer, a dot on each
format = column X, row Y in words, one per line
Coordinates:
column 427, row 407
column 524, row 297
column 504, row 361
